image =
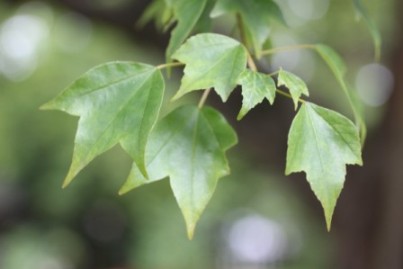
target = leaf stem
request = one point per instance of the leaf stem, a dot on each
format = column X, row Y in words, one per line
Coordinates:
column 251, row 63
column 273, row 73
column 204, row 98
column 283, row 93
column 241, row 29
column 167, row 65
column 287, row 48
column 253, row 67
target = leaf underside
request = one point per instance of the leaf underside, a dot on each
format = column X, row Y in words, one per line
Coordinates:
column 322, row 142
column 188, row 146
column 212, row 61
column 117, row 102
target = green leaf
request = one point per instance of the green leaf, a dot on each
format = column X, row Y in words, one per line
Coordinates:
column 322, row 142
column 187, row 13
column 117, row 102
column 256, row 15
column 295, row 85
column 158, row 11
column 189, row 146
column 373, row 29
column 255, row 88
column 211, row 60
column 338, row 68
column 205, row 22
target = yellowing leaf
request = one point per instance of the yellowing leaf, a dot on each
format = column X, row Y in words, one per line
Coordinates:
column 211, row 60
column 322, row 142
column 189, row 146
column 117, row 102
column 255, row 88
column 295, row 85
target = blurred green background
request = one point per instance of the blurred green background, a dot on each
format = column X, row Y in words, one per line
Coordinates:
column 257, row 218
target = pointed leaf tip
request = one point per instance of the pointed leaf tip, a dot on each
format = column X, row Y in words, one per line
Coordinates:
column 190, row 228
column 45, row 106
column 117, row 102
column 74, row 169
column 189, row 146
column 322, row 142
column 328, row 218
column 122, row 191
column 67, row 181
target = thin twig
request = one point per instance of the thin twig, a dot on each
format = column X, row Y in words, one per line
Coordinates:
column 251, row 63
column 204, row 98
column 287, row 48
column 167, row 65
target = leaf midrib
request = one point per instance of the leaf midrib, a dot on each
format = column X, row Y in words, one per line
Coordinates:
column 192, row 170
column 316, row 138
column 118, row 81
column 121, row 108
column 166, row 143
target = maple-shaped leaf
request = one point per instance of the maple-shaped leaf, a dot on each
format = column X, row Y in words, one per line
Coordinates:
column 295, row 85
column 212, row 60
column 188, row 146
column 117, row 102
column 322, row 142
column 256, row 15
column 255, row 88
column 187, row 14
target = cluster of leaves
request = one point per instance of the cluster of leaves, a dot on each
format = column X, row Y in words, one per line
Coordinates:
column 120, row 102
